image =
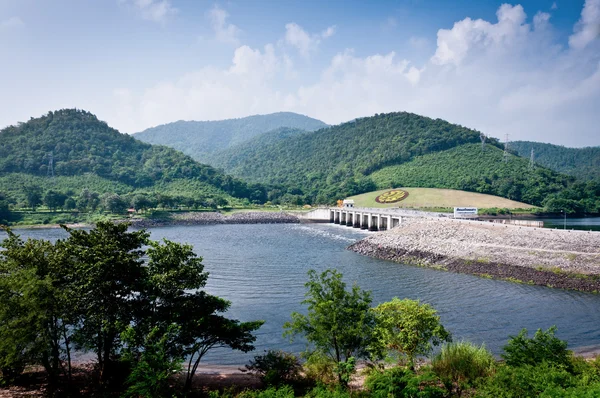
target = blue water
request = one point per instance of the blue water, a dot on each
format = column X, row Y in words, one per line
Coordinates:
column 262, row 269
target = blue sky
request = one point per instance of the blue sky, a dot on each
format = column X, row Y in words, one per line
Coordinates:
column 530, row 69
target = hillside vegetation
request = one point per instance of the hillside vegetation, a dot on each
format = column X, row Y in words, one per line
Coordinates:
column 88, row 154
column 583, row 163
column 468, row 168
column 334, row 162
column 200, row 139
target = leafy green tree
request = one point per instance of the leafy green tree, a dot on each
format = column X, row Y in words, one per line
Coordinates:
column 408, row 328
column 141, row 202
column 88, row 200
column 173, row 292
column 114, row 203
column 543, row 347
column 4, row 210
column 107, row 279
column 36, row 317
column 339, row 322
column 54, row 200
column 33, row 196
column 70, row 204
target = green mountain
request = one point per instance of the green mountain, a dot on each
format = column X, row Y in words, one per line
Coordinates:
column 583, row 163
column 335, row 161
column 87, row 153
column 397, row 149
column 199, row 139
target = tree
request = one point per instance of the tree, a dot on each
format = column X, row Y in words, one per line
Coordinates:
column 53, row 200
column 107, row 279
column 339, row 322
column 36, row 317
column 4, row 210
column 407, row 328
column 115, row 203
column 33, row 195
column 174, row 281
column 543, row 347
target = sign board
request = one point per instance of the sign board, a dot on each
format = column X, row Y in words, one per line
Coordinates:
column 465, row 212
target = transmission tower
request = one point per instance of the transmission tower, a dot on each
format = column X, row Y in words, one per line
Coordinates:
column 50, row 171
column 505, row 158
column 482, row 137
column 532, row 159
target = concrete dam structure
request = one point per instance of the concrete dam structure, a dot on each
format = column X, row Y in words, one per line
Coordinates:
column 365, row 218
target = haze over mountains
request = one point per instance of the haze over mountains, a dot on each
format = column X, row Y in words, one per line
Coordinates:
column 201, row 138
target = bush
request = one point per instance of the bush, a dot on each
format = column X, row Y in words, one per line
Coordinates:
column 387, row 383
column 543, row 347
column 282, row 392
column 401, row 382
column 276, row 367
column 320, row 368
column 542, row 380
column 460, row 364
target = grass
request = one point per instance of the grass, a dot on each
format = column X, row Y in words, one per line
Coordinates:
column 427, row 198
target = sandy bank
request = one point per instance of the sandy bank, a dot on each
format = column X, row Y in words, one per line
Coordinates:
column 213, row 218
column 556, row 258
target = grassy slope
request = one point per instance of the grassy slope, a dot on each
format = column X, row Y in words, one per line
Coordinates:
column 434, row 197
column 466, row 167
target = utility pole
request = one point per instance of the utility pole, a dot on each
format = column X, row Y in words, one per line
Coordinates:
column 532, row 159
column 50, row 171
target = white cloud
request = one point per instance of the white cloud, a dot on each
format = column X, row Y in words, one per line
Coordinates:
column 152, row 10
column 304, row 42
column 224, row 32
column 588, row 27
column 10, row 23
column 330, row 31
column 500, row 77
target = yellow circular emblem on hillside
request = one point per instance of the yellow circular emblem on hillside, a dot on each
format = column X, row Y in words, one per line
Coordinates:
column 393, row 196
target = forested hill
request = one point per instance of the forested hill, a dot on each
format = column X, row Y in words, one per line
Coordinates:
column 199, row 139
column 335, row 161
column 83, row 145
column 583, row 163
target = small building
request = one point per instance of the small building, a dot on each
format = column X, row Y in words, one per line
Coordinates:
column 348, row 203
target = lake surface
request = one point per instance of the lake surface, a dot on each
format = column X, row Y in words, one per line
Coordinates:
column 583, row 223
column 262, row 269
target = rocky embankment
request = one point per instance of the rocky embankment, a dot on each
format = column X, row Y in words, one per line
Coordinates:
column 212, row 218
column 550, row 257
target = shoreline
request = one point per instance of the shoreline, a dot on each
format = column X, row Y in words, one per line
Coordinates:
column 536, row 256
column 191, row 218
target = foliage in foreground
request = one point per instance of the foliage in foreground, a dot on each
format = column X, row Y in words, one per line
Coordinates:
column 116, row 294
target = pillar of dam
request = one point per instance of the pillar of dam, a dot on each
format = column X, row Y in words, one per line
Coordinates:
column 357, row 220
column 350, row 219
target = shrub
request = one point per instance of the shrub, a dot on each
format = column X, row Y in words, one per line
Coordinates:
column 543, row 347
column 273, row 392
column 542, row 380
column 460, row 364
column 320, row 368
column 276, row 367
column 387, row 383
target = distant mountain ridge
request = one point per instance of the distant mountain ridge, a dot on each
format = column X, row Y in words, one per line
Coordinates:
column 583, row 163
column 199, row 139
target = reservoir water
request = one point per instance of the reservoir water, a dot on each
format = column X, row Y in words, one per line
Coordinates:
column 262, row 269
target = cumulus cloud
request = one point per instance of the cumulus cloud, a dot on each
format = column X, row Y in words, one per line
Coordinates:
column 152, row 10
column 10, row 23
column 505, row 76
column 588, row 27
column 304, row 42
column 224, row 32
